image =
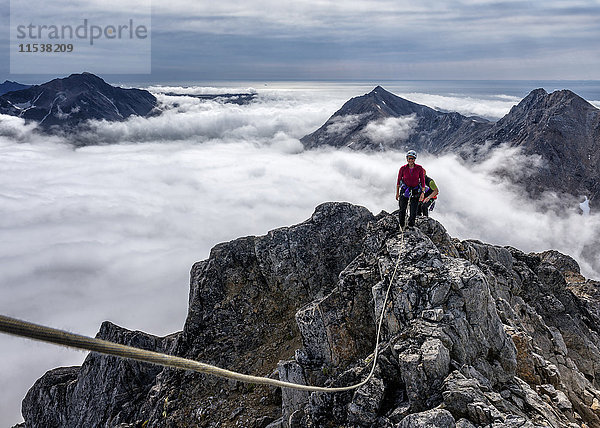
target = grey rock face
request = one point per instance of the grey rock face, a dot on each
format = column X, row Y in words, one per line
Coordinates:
column 47, row 402
column 460, row 332
column 290, row 371
column 435, row 418
column 242, row 306
column 103, row 392
column 474, row 335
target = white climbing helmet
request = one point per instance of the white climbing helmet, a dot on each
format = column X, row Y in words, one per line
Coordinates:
column 411, row 153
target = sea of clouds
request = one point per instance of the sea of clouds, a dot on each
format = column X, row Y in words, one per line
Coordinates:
column 110, row 231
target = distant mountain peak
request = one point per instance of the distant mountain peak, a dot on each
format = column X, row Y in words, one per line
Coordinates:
column 560, row 127
column 85, row 76
column 540, row 99
column 77, row 79
column 381, row 94
column 538, row 92
column 69, row 101
column 567, row 96
column 357, row 122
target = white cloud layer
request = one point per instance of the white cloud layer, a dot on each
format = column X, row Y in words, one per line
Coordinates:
column 390, row 129
column 341, row 125
column 111, row 231
column 199, row 90
column 492, row 108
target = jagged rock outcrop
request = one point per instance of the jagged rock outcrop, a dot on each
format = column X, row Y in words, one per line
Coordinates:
column 474, row 335
column 103, row 392
column 242, row 304
column 489, row 335
column 68, row 102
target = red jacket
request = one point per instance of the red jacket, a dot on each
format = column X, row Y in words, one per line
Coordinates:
column 411, row 177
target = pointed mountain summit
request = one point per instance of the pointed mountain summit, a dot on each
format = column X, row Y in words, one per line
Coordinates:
column 381, row 120
column 72, row 100
column 562, row 128
column 380, row 104
column 562, row 111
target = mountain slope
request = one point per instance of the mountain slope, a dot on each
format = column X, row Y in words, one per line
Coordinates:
column 561, row 128
column 362, row 123
column 473, row 335
column 70, row 101
column 564, row 129
column 9, row 86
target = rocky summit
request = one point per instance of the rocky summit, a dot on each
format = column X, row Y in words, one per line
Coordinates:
column 474, row 335
column 63, row 104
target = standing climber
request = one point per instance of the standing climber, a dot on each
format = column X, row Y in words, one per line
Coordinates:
column 410, row 187
column 431, row 192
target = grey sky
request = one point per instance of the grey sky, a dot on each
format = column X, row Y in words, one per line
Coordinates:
column 377, row 39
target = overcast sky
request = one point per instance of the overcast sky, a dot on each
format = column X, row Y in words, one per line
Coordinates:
column 376, row 39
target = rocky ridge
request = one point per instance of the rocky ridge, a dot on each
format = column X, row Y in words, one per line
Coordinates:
column 475, row 335
column 237, row 98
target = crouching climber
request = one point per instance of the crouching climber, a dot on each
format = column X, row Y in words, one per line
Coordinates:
column 430, row 196
column 410, row 188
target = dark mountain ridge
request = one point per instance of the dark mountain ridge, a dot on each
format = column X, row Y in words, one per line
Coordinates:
column 431, row 127
column 564, row 129
column 238, row 98
column 65, row 103
column 9, row 86
column 474, row 335
column 561, row 127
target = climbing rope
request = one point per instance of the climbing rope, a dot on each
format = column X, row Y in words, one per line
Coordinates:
column 59, row 337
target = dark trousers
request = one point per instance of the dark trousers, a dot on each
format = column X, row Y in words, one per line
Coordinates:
column 424, row 208
column 414, row 204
